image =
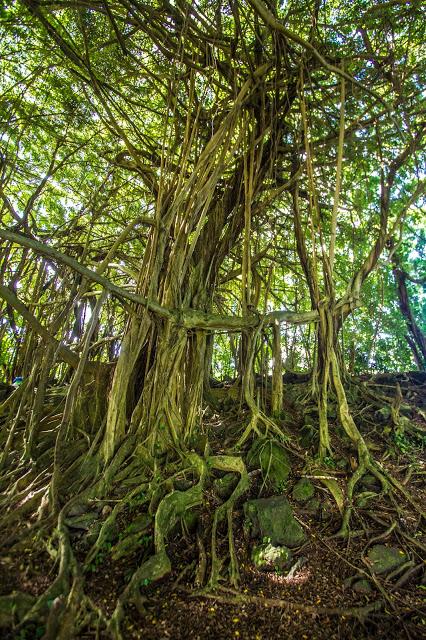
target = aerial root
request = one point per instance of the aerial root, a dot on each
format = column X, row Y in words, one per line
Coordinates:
column 388, row 485
column 410, row 572
column 200, row 574
column 366, row 464
column 155, row 568
column 108, row 525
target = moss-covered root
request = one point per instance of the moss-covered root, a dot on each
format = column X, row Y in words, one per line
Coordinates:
column 169, row 512
column 109, row 525
column 155, row 568
column 68, row 570
column 258, row 417
column 236, row 465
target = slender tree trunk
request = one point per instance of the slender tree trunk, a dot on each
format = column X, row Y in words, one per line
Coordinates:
column 415, row 337
column 277, row 372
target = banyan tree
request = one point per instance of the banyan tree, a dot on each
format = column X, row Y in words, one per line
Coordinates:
column 194, row 191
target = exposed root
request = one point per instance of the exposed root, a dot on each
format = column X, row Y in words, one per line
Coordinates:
column 227, row 463
column 67, row 610
column 235, row 598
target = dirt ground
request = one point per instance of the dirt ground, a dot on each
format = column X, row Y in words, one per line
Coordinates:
column 318, row 600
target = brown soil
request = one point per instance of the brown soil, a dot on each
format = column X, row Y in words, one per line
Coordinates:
column 317, row 602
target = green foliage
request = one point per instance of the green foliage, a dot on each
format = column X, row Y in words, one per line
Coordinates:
column 329, row 462
column 409, row 443
column 95, row 114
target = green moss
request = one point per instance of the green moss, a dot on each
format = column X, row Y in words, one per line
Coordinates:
column 270, row 457
column 303, row 490
column 272, row 518
column 225, row 486
column 385, row 559
column 268, row 557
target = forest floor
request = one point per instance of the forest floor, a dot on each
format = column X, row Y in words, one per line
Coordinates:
column 330, row 592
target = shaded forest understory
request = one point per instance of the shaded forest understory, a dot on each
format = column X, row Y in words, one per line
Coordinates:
column 74, row 579
column 212, row 269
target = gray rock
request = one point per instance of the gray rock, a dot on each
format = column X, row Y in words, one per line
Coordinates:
column 303, row 490
column 385, row 559
column 273, row 520
column 384, row 413
column 268, row 557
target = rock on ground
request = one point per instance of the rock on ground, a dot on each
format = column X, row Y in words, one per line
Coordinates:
column 272, row 518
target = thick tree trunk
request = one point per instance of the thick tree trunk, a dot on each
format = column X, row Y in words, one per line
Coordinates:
column 158, row 386
column 158, row 383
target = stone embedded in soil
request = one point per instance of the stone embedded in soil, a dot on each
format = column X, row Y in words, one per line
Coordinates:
column 385, row 559
column 303, row 490
column 269, row 557
column 269, row 456
column 272, row 519
column 384, row 413
column 362, row 586
column 313, row 506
